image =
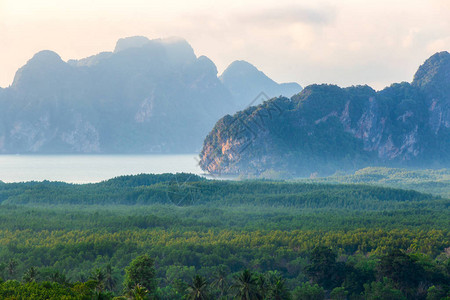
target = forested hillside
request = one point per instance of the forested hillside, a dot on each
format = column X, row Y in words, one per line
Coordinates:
column 187, row 189
column 436, row 182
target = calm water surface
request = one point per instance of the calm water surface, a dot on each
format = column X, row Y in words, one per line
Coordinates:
column 91, row 168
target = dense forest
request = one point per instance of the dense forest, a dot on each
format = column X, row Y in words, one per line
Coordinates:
column 430, row 181
column 180, row 236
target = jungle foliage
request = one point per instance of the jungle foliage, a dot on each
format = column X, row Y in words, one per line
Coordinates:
column 183, row 237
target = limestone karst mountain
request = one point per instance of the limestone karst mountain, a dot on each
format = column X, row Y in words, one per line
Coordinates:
column 147, row 96
column 326, row 128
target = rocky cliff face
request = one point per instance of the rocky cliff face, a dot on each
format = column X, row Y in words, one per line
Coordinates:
column 433, row 79
column 326, row 128
column 147, row 96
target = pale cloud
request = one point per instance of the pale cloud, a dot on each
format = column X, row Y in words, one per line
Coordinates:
column 439, row 45
column 281, row 16
column 343, row 42
column 408, row 40
column 442, row 4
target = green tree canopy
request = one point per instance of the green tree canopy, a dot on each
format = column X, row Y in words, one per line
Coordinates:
column 141, row 271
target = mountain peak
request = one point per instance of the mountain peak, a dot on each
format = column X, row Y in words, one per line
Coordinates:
column 43, row 62
column 178, row 50
column 241, row 68
column 130, row 42
column 207, row 64
column 46, row 56
column 247, row 83
column 434, row 69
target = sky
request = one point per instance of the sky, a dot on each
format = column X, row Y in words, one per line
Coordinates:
column 346, row 42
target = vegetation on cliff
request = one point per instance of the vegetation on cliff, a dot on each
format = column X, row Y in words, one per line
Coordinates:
column 326, row 128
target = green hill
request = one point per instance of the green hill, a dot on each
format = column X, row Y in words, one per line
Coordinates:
column 436, row 182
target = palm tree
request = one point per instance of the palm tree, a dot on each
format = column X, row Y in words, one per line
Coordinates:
column 278, row 290
column 110, row 280
column 246, row 286
column 275, row 286
column 220, row 281
column 263, row 283
column 99, row 277
column 30, row 275
column 12, row 264
column 139, row 292
column 58, row 277
column 198, row 290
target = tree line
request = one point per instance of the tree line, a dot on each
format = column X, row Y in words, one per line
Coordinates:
column 396, row 275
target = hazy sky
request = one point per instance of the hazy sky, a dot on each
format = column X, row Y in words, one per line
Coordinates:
column 344, row 42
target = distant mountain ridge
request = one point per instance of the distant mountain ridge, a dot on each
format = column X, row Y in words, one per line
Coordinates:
column 326, row 128
column 245, row 81
column 147, row 96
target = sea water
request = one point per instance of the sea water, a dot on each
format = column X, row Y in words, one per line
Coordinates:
column 91, row 168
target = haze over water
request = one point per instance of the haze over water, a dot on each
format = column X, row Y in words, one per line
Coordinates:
column 91, row 168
